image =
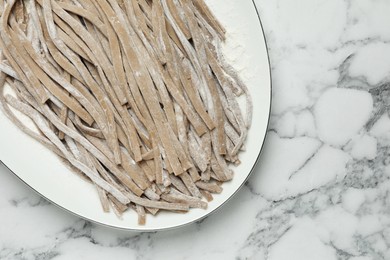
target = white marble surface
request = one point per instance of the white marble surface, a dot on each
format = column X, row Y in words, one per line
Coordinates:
column 322, row 188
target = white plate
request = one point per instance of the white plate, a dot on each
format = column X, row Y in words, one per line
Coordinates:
column 43, row 172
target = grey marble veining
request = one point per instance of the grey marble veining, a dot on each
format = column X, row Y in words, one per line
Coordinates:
column 322, row 187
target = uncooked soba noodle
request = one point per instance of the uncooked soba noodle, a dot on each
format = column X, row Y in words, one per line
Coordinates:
column 134, row 95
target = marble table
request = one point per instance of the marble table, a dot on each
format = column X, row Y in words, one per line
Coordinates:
column 322, row 188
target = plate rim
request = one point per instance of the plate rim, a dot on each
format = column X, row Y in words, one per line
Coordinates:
column 209, row 213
